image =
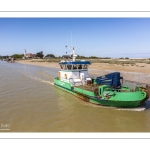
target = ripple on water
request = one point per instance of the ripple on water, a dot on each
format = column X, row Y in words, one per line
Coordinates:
column 30, row 102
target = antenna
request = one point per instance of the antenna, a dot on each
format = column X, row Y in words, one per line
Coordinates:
column 73, row 53
column 72, row 48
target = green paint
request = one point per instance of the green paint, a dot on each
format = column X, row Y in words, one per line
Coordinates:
column 106, row 95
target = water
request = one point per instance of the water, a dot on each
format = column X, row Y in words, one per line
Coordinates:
column 29, row 102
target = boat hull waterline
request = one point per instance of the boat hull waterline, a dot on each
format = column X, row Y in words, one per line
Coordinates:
column 101, row 101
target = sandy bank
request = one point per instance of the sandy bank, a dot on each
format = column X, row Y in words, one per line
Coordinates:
column 138, row 67
column 139, row 72
column 39, row 63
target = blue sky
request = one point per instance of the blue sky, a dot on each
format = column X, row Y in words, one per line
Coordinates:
column 102, row 37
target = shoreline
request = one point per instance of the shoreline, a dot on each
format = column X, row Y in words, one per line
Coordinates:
column 137, row 68
column 139, row 73
column 38, row 63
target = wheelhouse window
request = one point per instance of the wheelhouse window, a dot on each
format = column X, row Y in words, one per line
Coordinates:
column 69, row 67
column 85, row 66
column 79, row 66
column 74, row 67
column 65, row 67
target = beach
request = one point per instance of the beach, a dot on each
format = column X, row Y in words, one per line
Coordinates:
column 139, row 72
column 138, row 67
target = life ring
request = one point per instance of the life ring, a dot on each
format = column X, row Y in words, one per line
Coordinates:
column 65, row 76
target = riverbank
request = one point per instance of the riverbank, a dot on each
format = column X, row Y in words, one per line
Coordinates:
column 137, row 67
column 38, row 63
column 137, row 72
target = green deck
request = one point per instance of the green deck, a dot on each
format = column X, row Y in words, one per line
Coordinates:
column 124, row 99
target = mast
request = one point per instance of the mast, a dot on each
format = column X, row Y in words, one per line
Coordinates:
column 73, row 55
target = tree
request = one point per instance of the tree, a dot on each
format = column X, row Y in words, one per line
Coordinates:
column 40, row 54
column 93, row 57
column 80, row 57
column 50, row 56
column 16, row 56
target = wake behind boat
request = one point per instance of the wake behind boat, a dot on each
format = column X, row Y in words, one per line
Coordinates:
column 104, row 90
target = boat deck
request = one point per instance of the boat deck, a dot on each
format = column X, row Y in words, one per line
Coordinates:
column 90, row 88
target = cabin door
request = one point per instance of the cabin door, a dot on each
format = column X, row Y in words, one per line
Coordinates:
column 82, row 77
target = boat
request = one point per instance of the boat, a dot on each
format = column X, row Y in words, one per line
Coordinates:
column 104, row 90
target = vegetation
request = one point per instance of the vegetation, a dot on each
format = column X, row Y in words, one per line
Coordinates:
column 17, row 56
column 40, row 54
column 110, row 61
column 104, row 58
column 93, row 57
column 4, row 57
column 80, row 57
column 50, row 56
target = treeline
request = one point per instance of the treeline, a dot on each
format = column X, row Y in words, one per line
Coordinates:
column 91, row 57
column 20, row 56
column 49, row 56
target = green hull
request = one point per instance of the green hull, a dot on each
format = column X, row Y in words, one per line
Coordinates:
column 135, row 98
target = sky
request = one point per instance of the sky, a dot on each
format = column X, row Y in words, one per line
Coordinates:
column 101, row 37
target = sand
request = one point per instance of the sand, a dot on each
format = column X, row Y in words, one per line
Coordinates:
column 138, row 73
column 138, row 67
column 39, row 63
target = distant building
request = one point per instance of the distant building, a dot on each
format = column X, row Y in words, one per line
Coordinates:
column 30, row 55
